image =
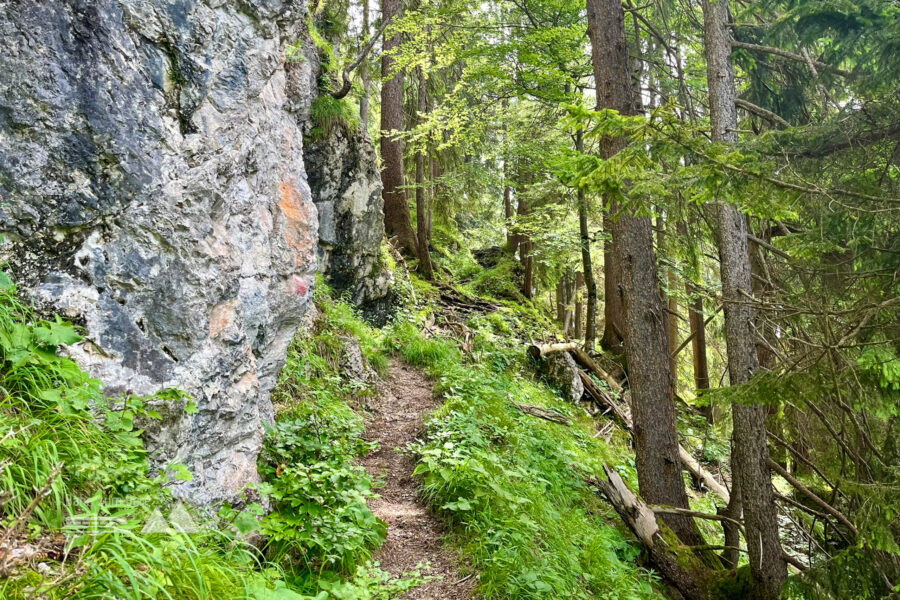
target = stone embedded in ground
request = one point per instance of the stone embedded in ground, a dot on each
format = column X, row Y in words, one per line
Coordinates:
column 559, row 370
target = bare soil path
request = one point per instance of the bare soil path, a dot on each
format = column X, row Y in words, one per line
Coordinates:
column 414, row 533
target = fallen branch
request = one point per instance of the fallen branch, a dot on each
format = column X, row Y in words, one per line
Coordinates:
column 693, row 465
column 682, row 568
column 689, row 462
column 543, row 413
column 23, row 518
column 603, row 399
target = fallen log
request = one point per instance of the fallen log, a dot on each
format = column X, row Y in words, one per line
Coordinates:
column 690, row 463
column 677, row 563
column 603, row 399
column 622, row 414
column 537, row 351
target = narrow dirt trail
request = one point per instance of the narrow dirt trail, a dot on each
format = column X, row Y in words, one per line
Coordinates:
column 414, row 533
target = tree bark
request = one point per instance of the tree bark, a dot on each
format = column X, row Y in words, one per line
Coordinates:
column 698, row 336
column 750, row 452
column 587, row 262
column 579, row 306
column 397, row 221
column 613, row 326
column 561, row 302
column 421, row 204
column 508, row 212
column 525, row 254
column 646, row 339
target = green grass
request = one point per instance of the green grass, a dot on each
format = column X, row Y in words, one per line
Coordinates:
column 72, row 463
column 512, row 486
column 328, row 114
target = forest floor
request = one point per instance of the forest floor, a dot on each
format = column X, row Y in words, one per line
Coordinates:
column 414, row 533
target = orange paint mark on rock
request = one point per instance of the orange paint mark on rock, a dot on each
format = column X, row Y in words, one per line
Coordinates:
column 297, row 227
column 222, row 316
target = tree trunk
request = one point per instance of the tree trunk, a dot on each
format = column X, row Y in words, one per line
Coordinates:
column 750, row 451
column 364, row 74
column 421, row 204
column 698, row 335
column 579, row 306
column 508, row 213
column 646, row 339
column 525, row 255
column 570, row 303
column 587, row 263
column 561, row 302
column 397, row 221
column 613, row 327
column 672, row 303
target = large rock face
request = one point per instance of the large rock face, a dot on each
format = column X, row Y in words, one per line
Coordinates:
column 346, row 188
column 153, row 190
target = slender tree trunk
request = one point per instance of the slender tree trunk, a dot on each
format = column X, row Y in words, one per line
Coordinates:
column 364, row 74
column 421, row 204
column 613, row 327
column 508, row 213
column 750, row 451
column 673, row 317
column 525, row 257
column 672, row 303
column 397, row 221
column 646, row 339
column 561, row 302
column 587, row 263
column 698, row 335
column 579, row 306
column 570, row 303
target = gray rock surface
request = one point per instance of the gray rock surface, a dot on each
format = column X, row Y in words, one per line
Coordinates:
column 154, row 190
column 560, row 370
column 346, row 188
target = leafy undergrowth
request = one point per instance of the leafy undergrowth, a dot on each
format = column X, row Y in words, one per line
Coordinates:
column 320, row 529
column 77, row 492
column 512, row 485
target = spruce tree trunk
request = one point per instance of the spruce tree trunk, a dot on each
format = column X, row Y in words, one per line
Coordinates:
column 613, row 326
column 587, row 263
column 750, row 450
column 561, row 302
column 397, row 221
column 421, row 205
column 646, row 338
